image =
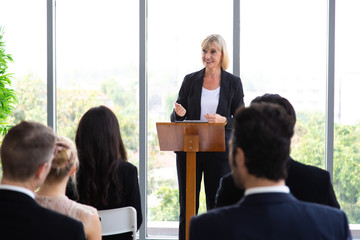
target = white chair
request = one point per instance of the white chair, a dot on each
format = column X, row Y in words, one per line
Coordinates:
column 118, row 220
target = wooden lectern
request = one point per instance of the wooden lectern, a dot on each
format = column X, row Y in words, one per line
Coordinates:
column 191, row 137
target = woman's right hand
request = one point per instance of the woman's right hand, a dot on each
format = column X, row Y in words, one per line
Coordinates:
column 179, row 109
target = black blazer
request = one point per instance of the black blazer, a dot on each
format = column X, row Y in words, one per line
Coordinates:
column 231, row 97
column 273, row 216
column 306, row 183
column 128, row 178
column 130, row 193
column 22, row 218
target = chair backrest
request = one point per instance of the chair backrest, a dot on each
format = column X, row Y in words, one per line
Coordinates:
column 118, row 220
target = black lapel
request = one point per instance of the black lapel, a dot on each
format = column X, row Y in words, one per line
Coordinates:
column 198, row 84
column 224, row 91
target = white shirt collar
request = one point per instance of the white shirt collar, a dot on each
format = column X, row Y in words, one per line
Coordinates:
column 282, row 189
column 17, row 189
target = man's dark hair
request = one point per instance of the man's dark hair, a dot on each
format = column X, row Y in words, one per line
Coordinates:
column 25, row 148
column 263, row 131
column 277, row 99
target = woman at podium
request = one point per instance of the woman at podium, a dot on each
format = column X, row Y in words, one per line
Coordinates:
column 210, row 95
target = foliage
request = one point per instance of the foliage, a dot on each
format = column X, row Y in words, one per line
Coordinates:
column 71, row 105
column 125, row 107
column 7, row 95
column 308, row 143
column 347, row 169
column 31, row 100
column 168, row 207
column 309, row 148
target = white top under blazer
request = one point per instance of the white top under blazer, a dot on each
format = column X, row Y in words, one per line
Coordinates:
column 209, row 102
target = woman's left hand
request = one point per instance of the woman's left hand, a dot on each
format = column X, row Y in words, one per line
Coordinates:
column 215, row 118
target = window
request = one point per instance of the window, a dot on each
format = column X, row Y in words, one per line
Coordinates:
column 25, row 40
column 283, row 52
column 347, row 116
column 97, row 64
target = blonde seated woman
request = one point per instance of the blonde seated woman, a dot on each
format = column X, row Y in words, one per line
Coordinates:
column 51, row 194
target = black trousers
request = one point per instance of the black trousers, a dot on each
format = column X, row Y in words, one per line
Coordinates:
column 214, row 166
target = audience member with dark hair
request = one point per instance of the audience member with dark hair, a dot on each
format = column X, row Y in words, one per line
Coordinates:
column 106, row 180
column 259, row 153
column 52, row 192
column 306, row 183
column 26, row 154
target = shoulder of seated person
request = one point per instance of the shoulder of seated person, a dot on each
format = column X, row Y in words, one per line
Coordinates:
column 127, row 166
column 316, row 171
column 59, row 216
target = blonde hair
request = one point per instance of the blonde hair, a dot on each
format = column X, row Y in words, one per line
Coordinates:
column 65, row 157
column 220, row 45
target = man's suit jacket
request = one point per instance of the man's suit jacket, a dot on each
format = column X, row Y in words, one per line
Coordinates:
column 22, row 218
column 231, row 97
column 306, row 183
column 271, row 216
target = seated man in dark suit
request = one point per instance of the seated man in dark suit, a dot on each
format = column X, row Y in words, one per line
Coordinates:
column 26, row 154
column 258, row 156
column 306, row 183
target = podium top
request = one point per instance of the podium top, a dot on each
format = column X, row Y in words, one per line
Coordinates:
column 191, row 121
column 211, row 135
